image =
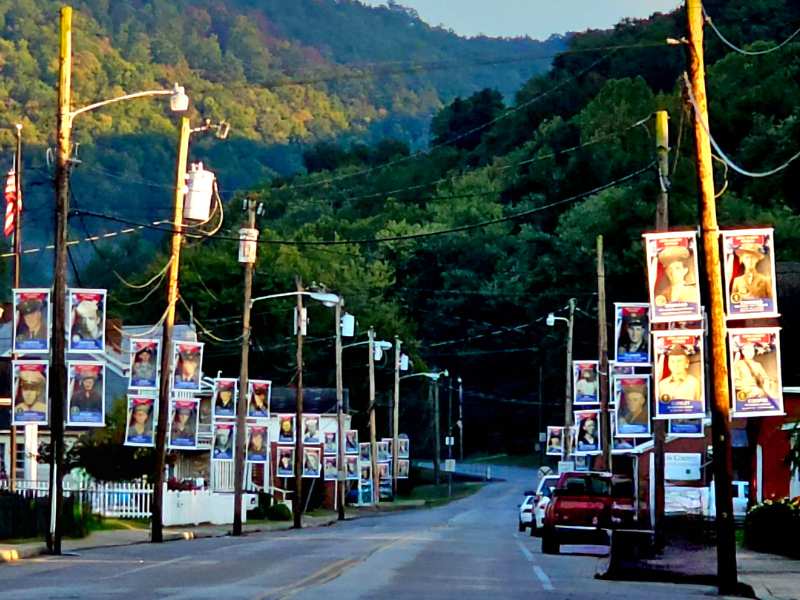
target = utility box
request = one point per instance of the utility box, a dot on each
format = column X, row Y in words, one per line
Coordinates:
column 200, row 186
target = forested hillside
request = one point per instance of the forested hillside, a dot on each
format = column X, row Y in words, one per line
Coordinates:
column 494, row 225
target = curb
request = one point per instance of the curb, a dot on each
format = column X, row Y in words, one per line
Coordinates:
column 8, row 555
column 759, row 591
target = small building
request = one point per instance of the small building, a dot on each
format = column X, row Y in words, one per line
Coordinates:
column 773, row 476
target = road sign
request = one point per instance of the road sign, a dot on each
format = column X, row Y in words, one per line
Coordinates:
column 449, row 440
column 450, row 465
column 565, row 466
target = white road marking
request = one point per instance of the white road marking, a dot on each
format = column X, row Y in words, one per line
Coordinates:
column 146, row 567
column 547, row 585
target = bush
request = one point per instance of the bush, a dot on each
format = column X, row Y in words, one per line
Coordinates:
column 22, row 517
column 279, row 512
column 262, row 510
column 774, row 526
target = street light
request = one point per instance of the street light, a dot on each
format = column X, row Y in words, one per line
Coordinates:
column 179, row 102
column 329, row 300
column 551, row 321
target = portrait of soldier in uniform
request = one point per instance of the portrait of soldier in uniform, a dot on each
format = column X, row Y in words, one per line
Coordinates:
column 258, row 405
column 86, row 394
column 365, row 452
column 633, row 335
column 31, row 333
column 331, row 443
column 257, row 447
column 311, row 462
column 183, row 431
column 224, row 435
column 750, row 285
column 140, row 422
column 403, row 467
column 30, row 395
column 351, row 467
column 225, row 398
column 143, row 364
column 403, row 447
column 750, row 379
column 330, row 467
column 680, row 289
column 351, row 441
column 588, row 437
column 680, row 384
column 585, row 383
column 187, row 366
column 311, row 433
column 87, row 320
column 286, row 429
column 285, row 466
column 633, row 407
column 555, row 441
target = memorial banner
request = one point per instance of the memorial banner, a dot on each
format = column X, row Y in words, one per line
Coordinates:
column 87, row 320
column 632, row 405
column 31, row 321
column 679, row 378
column 188, row 361
column 756, row 372
column 672, row 276
column 632, row 333
column 588, row 436
column 223, row 441
column 141, row 421
column 225, row 397
column 30, row 392
column 86, row 393
column 749, row 264
column 584, row 382
column 145, row 357
column 555, row 441
column 183, row 424
column 259, row 393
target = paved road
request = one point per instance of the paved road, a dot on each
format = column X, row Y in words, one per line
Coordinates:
column 467, row 550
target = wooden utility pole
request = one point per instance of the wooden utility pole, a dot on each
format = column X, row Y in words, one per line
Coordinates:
column 157, row 506
column 449, row 433
column 17, row 278
column 297, row 503
column 568, row 391
column 396, row 415
column 244, row 397
column 340, row 408
column 460, row 420
column 58, row 383
column 720, row 403
column 373, row 434
column 662, row 224
column 602, row 352
column 436, row 433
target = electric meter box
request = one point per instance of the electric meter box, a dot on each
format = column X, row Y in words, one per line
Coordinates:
column 200, row 185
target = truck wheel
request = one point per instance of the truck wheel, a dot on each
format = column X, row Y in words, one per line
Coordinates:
column 534, row 529
column 520, row 526
column 550, row 544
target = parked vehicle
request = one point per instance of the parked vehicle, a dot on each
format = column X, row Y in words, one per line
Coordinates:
column 740, row 490
column 544, row 492
column 584, row 507
column 526, row 512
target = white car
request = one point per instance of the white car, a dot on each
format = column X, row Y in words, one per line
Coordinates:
column 544, row 491
column 526, row 512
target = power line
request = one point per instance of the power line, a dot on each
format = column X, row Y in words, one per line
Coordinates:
column 736, row 48
column 725, row 158
column 412, row 236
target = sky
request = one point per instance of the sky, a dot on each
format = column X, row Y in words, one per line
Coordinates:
column 535, row 18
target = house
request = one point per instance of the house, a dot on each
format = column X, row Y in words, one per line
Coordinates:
column 772, row 475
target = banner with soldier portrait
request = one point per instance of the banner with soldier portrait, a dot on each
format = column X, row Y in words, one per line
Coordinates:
column 285, row 457
column 183, row 424
column 141, row 421
column 588, row 436
column 31, row 321
column 286, row 429
column 366, row 473
column 749, row 265
column 86, row 393
column 223, row 441
column 555, row 441
column 679, row 375
column 188, row 361
column 87, row 320
column 144, row 365
column 584, row 382
column 613, row 370
column 632, row 333
column 30, row 392
column 672, row 276
column 365, row 452
column 330, row 467
column 259, row 393
column 756, row 372
column 385, row 470
column 351, row 441
column 351, row 467
column 691, row 428
column 382, row 450
column 632, row 405
column 225, row 397
column 403, row 468
column 311, row 430
column 403, row 446
column 257, row 444
column 330, row 443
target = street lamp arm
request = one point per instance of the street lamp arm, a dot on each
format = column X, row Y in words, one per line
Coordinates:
column 325, row 298
column 145, row 94
column 434, row 376
column 378, row 344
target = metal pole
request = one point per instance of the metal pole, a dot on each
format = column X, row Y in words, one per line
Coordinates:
column 436, row 433
column 157, row 505
column 720, row 404
column 17, row 278
column 373, row 435
column 395, row 413
column 542, row 427
column 340, row 406
column 241, row 409
column 460, row 420
column 449, row 434
column 602, row 350
column 662, row 224
column 568, row 398
column 297, row 504
column 58, row 385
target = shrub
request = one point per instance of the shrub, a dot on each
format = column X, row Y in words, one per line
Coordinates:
column 279, row 512
column 774, row 526
column 262, row 510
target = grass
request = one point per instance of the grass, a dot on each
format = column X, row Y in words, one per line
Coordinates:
column 110, row 524
column 434, row 495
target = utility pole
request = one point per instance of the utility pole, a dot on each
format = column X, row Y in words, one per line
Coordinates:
column 241, row 409
column 720, row 403
column 297, row 504
column 449, row 433
column 157, row 507
column 340, row 406
column 602, row 351
column 396, row 415
column 568, row 399
column 58, row 385
column 29, row 429
column 460, row 420
column 373, row 434
column 662, row 224
column 436, row 433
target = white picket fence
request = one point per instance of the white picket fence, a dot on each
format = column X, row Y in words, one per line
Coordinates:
column 119, row 500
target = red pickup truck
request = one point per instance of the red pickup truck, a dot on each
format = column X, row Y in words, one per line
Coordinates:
column 585, row 507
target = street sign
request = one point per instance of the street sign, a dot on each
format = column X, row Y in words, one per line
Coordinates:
column 565, row 466
column 449, row 440
column 542, row 436
column 450, row 465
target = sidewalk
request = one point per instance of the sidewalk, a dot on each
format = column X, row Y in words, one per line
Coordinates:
column 771, row 577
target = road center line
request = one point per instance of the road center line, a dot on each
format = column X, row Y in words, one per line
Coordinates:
column 145, row 568
column 547, row 585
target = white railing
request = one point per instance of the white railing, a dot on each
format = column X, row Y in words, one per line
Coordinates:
column 119, row 500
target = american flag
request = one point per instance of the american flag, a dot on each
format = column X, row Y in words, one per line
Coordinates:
column 12, row 206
